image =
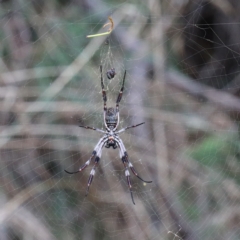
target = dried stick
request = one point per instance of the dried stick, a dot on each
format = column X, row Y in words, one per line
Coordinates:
column 222, row 99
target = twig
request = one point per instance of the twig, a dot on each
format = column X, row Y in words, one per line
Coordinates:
column 12, row 205
column 111, row 23
column 29, row 74
column 30, row 225
column 222, row 99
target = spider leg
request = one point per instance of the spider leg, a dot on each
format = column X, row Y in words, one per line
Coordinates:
column 84, row 165
column 118, row 100
column 133, row 169
column 92, row 173
column 104, row 95
column 124, row 129
column 94, row 153
column 120, row 92
column 125, row 157
column 92, row 128
column 127, row 174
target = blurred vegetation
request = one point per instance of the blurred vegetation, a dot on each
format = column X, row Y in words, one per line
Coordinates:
column 182, row 62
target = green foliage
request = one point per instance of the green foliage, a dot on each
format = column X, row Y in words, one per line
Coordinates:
column 187, row 197
column 220, row 153
column 212, row 151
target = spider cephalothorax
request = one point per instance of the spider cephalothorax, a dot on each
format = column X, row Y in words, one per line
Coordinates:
column 110, row 139
column 111, row 143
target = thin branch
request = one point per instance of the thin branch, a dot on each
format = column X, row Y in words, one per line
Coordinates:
column 222, row 99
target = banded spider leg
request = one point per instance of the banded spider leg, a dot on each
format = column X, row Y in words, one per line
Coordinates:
column 125, row 160
column 97, row 154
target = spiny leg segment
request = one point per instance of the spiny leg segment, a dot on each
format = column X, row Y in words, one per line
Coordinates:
column 84, row 165
column 92, row 128
column 94, row 153
column 120, row 93
column 104, row 95
column 133, row 169
column 127, row 174
column 118, row 101
column 124, row 157
column 124, row 129
column 97, row 154
column 92, row 173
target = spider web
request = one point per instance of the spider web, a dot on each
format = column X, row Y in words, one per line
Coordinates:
column 182, row 63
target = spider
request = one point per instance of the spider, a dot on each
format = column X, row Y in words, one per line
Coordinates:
column 110, row 139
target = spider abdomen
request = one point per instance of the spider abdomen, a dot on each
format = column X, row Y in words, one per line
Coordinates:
column 111, row 118
column 111, row 124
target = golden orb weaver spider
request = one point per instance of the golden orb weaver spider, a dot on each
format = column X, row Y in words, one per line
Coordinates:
column 110, row 139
